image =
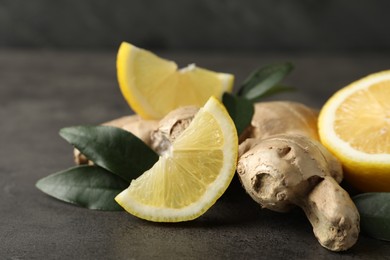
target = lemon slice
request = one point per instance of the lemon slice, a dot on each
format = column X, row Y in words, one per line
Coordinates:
column 153, row 86
column 354, row 124
column 189, row 178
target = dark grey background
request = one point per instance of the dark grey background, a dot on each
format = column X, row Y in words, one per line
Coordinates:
column 299, row 25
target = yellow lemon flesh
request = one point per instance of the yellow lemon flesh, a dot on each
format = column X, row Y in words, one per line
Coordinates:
column 189, row 178
column 153, row 86
column 354, row 125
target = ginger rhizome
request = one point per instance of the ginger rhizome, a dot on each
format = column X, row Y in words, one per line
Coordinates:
column 281, row 165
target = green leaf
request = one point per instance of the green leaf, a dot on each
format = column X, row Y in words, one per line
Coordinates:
column 88, row 186
column 240, row 110
column 374, row 210
column 114, row 149
column 265, row 81
column 274, row 90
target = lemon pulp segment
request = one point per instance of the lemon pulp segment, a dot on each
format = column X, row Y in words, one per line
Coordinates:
column 365, row 125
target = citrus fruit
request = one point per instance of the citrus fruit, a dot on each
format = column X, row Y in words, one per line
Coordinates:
column 354, row 125
column 153, row 86
column 188, row 178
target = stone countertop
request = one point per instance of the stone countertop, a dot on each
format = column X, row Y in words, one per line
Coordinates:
column 43, row 91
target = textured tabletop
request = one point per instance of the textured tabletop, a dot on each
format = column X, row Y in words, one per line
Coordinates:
column 43, row 91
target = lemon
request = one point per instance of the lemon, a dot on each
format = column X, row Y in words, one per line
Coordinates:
column 153, row 86
column 354, row 125
column 189, row 178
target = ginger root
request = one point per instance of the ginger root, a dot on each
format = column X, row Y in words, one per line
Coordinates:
column 170, row 127
column 280, row 117
column 281, row 165
column 282, row 170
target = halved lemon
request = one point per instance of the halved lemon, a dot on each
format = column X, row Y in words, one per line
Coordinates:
column 189, row 178
column 153, row 86
column 354, row 125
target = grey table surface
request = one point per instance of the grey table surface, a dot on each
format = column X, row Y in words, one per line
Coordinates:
column 43, row 91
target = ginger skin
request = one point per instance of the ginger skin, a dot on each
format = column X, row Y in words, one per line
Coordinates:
column 170, row 127
column 282, row 168
column 280, row 117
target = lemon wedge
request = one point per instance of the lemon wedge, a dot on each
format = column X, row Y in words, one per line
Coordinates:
column 153, row 86
column 187, row 179
column 354, row 124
